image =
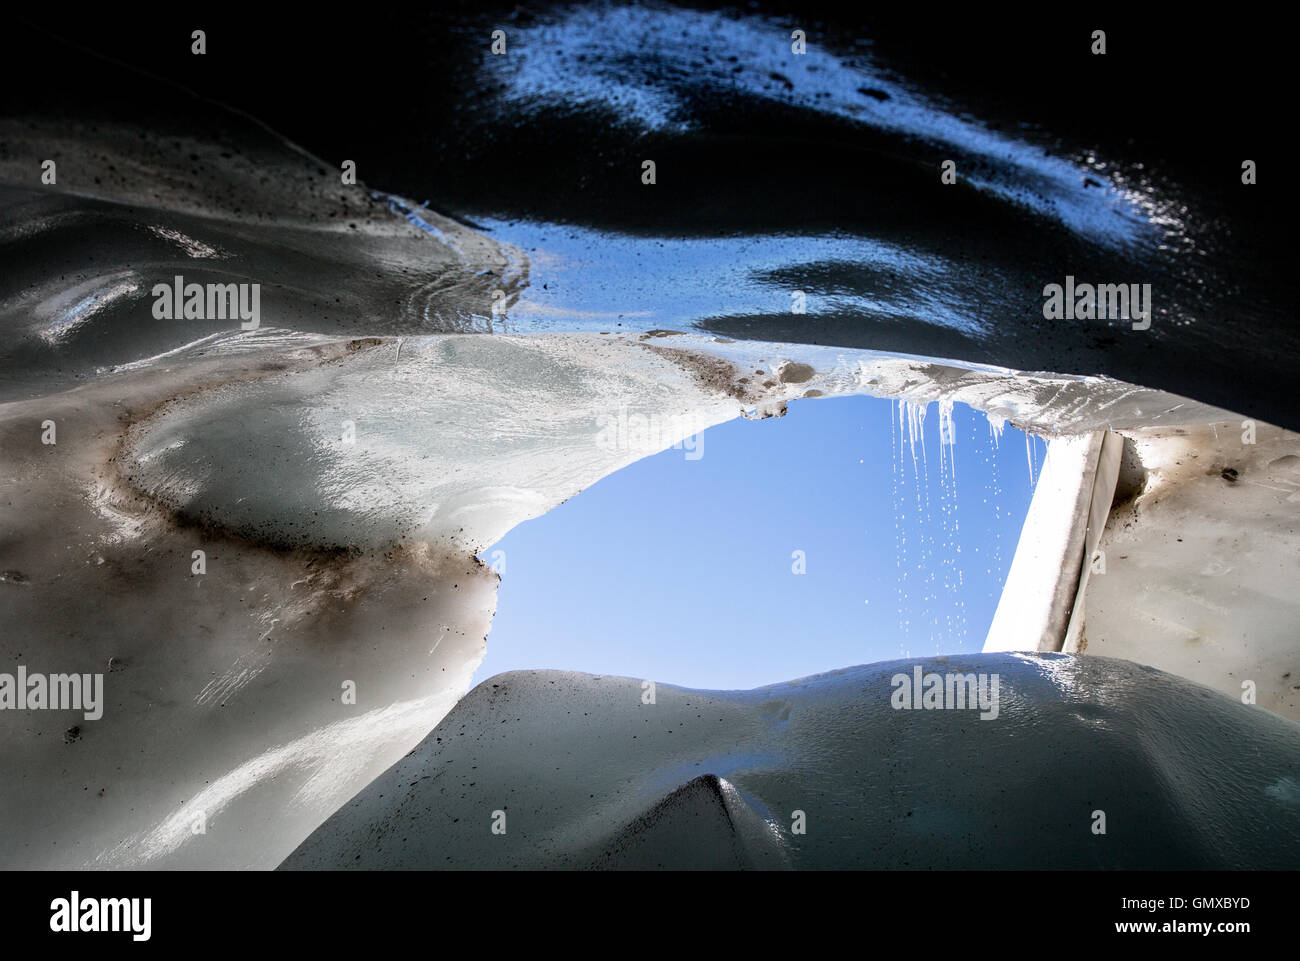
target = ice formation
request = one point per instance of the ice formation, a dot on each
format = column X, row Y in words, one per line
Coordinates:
column 265, row 537
column 579, row 771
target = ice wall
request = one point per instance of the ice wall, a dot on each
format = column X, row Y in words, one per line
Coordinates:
column 226, row 729
column 1199, row 559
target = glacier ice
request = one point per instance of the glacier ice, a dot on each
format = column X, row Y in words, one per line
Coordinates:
column 583, row 773
column 418, row 388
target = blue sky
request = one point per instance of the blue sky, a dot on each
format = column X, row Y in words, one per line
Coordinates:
column 682, row 571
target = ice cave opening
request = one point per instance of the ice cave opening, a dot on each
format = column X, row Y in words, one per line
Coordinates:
column 851, row 530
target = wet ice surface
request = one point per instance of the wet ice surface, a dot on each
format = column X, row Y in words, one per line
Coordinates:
column 67, row 327
column 646, row 66
column 584, row 279
column 590, row 775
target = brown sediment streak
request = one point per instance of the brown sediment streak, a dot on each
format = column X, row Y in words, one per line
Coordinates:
column 100, row 473
column 120, row 485
column 712, row 373
column 276, row 629
column 331, row 570
column 1040, row 402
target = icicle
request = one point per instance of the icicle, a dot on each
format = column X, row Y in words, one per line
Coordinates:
column 996, row 426
column 912, row 413
column 928, row 554
column 954, row 620
column 947, row 437
column 900, row 538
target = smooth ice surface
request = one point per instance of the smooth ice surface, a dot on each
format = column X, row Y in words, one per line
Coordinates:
column 440, row 439
column 589, row 775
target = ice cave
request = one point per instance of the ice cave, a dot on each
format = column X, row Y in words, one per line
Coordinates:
column 264, row 517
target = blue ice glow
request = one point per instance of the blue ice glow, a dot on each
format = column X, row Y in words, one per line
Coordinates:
column 583, row 279
column 642, row 64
